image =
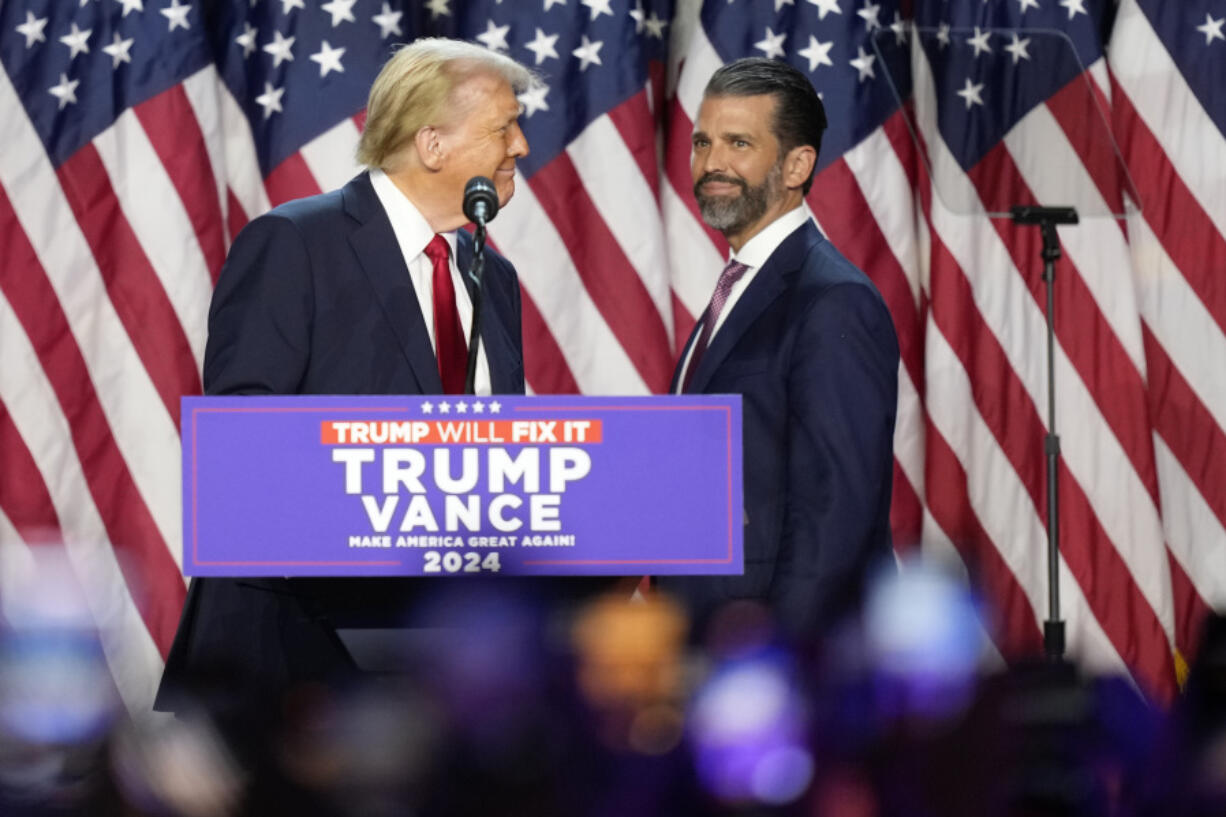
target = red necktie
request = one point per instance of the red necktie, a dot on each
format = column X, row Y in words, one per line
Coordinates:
column 450, row 348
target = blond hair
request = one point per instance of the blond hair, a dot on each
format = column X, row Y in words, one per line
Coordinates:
column 413, row 88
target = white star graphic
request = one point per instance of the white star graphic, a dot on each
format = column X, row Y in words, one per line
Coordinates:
column 438, row 8
column 637, row 15
column 289, row 5
column 1018, row 48
column 588, row 52
column 598, row 7
column 76, row 42
column 551, row 3
column 864, row 64
column 817, row 53
column 533, row 99
column 1074, row 7
column 980, row 42
column 1212, row 29
column 270, row 100
column 495, row 407
column 771, row 44
column 971, row 93
column 118, row 50
column 899, row 28
column 132, row 5
column 495, row 37
column 388, row 22
column 869, row 13
column 444, row 407
column 329, row 59
column 542, row 46
column 942, row 36
column 427, row 407
column 176, row 15
column 32, row 29
column 655, row 26
column 341, row 10
column 281, row 48
column 825, row 7
column 66, row 91
column 1027, row 4
column 781, row 3
column 247, row 39
column 461, row 407
column 478, row 407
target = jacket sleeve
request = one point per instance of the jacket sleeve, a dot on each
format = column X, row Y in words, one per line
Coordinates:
column 261, row 313
column 842, row 395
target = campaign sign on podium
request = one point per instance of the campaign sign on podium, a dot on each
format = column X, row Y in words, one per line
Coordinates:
column 456, row 485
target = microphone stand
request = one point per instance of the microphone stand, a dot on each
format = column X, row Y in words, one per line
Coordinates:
column 476, row 276
column 1047, row 218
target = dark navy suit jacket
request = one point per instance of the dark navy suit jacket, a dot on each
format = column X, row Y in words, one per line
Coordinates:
column 315, row 298
column 811, row 348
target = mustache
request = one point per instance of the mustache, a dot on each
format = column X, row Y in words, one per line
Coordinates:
column 719, row 177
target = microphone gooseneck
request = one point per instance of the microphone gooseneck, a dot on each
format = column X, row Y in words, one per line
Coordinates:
column 480, row 200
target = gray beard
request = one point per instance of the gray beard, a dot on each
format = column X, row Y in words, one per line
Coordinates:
column 732, row 214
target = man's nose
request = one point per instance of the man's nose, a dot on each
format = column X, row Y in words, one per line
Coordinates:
column 518, row 146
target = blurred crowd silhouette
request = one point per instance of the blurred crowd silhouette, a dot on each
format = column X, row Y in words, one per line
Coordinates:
column 618, row 708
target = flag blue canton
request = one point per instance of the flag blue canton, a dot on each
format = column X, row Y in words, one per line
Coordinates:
column 77, row 67
column 1198, row 50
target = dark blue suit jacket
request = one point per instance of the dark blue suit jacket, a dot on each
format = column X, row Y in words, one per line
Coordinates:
column 315, row 298
column 811, row 348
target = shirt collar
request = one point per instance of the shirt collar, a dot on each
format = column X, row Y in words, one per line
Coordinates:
column 410, row 226
column 759, row 248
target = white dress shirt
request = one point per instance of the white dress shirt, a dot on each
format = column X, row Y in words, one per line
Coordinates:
column 413, row 233
column 753, row 255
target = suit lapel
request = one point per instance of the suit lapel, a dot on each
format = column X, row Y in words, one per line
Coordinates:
column 771, row 281
column 377, row 251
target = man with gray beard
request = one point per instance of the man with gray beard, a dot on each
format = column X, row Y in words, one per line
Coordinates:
column 806, row 339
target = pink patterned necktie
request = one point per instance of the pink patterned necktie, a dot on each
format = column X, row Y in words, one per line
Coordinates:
column 727, row 279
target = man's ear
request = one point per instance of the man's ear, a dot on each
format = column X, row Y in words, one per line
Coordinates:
column 429, row 144
column 798, row 165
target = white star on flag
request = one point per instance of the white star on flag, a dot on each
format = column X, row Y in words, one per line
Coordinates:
column 329, row 59
column 270, row 100
column 825, row 7
column 66, row 91
column 1018, row 48
column 551, row 3
column 118, row 50
column 864, row 64
column 869, row 13
column 1026, row 4
column 588, row 52
column 655, row 26
column 781, row 3
column 281, row 49
column 598, row 7
column 1074, row 7
column 495, row 37
column 542, row 46
column 943, row 38
column 970, row 92
column 817, row 53
column 899, row 28
column 388, row 22
column 132, row 5
column 341, row 10
column 32, row 29
column 289, row 5
column 980, row 42
column 176, row 15
column 533, row 99
column 771, row 45
column 247, row 39
column 1212, row 29
column 76, row 41
column 438, row 8
column 638, row 16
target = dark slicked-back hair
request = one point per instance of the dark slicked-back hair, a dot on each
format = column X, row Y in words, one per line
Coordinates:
column 800, row 118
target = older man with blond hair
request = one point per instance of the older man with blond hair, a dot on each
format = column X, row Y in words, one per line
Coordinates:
column 359, row 291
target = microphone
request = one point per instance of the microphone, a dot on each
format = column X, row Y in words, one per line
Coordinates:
column 480, row 200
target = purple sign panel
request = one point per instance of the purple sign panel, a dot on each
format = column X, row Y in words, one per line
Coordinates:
column 456, row 485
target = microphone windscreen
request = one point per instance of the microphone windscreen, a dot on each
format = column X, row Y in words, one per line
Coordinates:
column 480, row 191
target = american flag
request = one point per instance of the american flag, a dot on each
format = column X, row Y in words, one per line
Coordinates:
column 139, row 136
